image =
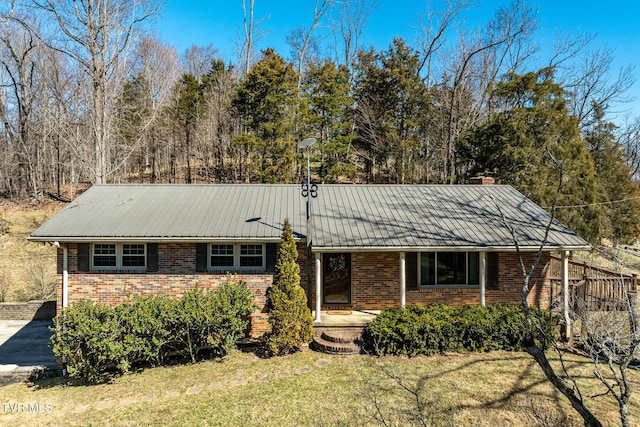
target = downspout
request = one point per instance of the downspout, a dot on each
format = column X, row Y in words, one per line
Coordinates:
column 403, row 279
column 483, row 278
column 65, row 290
column 65, row 274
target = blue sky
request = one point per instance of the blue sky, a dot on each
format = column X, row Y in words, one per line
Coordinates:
column 616, row 24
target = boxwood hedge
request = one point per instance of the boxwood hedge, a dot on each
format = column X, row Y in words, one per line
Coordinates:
column 439, row 328
column 97, row 342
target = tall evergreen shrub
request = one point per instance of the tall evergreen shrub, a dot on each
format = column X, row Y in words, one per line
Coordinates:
column 290, row 319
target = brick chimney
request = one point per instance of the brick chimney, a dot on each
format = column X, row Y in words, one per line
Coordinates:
column 482, row 180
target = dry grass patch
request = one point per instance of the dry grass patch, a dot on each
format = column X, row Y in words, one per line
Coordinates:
column 308, row 388
column 27, row 270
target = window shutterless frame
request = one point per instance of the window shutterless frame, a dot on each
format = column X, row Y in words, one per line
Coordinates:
column 118, row 256
column 448, row 269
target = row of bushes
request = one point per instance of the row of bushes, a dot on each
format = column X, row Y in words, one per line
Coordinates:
column 440, row 328
column 98, row 341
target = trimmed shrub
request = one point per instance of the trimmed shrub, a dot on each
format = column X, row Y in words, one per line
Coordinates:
column 232, row 303
column 97, row 342
column 438, row 328
column 89, row 339
column 212, row 320
column 191, row 321
column 145, row 322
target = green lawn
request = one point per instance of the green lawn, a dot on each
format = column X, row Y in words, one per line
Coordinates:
column 309, row 388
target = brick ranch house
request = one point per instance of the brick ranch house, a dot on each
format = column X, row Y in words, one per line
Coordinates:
column 371, row 246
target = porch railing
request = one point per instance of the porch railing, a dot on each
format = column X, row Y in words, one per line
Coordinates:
column 591, row 288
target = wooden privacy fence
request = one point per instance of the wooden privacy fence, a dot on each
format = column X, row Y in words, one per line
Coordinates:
column 591, row 288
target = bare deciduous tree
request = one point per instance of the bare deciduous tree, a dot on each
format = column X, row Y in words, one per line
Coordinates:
column 434, row 29
column 218, row 126
column 480, row 59
column 301, row 39
column 96, row 34
column 197, row 59
column 252, row 32
column 21, row 68
column 416, row 402
column 41, row 280
column 629, row 138
column 248, row 34
column 612, row 341
column 350, row 21
column 154, row 72
column 589, row 80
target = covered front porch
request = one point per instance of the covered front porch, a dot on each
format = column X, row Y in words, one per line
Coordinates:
column 385, row 279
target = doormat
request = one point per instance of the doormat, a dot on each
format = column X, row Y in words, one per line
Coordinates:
column 339, row 312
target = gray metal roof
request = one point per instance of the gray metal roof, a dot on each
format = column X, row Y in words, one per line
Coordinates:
column 177, row 212
column 432, row 216
column 344, row 217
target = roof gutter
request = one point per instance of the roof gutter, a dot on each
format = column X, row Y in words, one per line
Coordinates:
column 512, row 248
column 84, row 239
column 327, row 249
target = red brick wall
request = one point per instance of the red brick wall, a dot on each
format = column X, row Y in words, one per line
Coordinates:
column 375, row 279
column 375, row 282
column 176, row 274
column 511, row 281
column 509, row 286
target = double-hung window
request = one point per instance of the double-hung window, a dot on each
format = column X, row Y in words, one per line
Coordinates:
column 449, row 269
column 238, row 256
column 222, row 256
column 104, row 255
column 252, row 256
column 133, row 255
column 128, row 256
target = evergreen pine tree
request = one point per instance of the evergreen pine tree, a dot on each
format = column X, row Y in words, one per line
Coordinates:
column 520, row 142
column 622, row 207
column 264, row 101
column 290, row 319
column 325, row 111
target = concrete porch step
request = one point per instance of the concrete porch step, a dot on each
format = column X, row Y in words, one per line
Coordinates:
column 337, row 340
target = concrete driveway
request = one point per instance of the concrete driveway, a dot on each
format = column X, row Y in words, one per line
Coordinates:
column 24, row 348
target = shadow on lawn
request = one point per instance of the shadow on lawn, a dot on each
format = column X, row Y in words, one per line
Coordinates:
column 45, row 381
column 522, row 392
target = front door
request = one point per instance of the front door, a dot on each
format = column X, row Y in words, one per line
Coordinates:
column 336, row 276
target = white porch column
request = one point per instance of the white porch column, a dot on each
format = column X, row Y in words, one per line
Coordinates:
column 565, row 293
column 318, row 287
column 483, row 278
column 403, row 279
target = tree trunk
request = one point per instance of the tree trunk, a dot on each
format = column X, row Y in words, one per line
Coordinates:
column 541, row 359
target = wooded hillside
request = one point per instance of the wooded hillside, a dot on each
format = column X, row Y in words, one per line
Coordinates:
column 91, row 96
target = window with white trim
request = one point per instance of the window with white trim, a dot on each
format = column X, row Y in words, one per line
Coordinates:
column 449, row 269
column 133, row 255
column 247, row 256
column 222, row 256
column 129, row 256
